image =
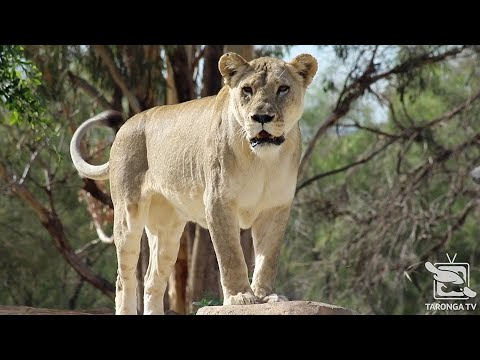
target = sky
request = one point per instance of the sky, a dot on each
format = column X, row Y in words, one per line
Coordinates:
column 326, row 58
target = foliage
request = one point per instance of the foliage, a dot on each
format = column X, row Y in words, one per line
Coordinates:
column 399, row 193
column 207, row 300
column 360, row 238
column 19, row 78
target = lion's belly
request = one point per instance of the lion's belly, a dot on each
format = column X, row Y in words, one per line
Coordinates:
column 182, row 186
column 189, row 205
column 262, row 189
column 256, row 197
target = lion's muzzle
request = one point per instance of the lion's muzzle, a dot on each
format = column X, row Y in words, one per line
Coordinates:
column 262, row 119
column 265, row 137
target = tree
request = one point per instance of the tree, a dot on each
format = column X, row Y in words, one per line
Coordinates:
column 404, row 116
column 365, row 241
column 99, row 78
column 21, row 171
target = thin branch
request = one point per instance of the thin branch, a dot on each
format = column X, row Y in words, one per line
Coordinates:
column 90, row 90
column 377, row 131
column 92, row 188
column 458, row 223
column 346, row 167
column 117, row 77
column 408, row 134
column 50, row 221
column 72, row 302
column 403, row 151
column 86, row 247
column 29, row 164
column 358, row 87
column 20, row 234
column 405, row 112
column 329, row 121
column 454, row 111
column 26, row 195
column 101, row 234
column 385, row 100
column 198, row 56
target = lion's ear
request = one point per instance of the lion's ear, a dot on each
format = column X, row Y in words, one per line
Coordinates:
column 306, row 65
column 230, row 64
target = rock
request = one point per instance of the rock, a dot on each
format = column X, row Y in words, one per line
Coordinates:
column 278, row 308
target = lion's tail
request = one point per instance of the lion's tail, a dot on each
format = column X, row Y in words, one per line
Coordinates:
column 109, row 118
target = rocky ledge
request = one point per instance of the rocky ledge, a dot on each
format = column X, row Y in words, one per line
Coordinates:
column 279, row 308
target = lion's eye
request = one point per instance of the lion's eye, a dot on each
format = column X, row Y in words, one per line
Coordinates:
column 247, row 90
column 283, row 89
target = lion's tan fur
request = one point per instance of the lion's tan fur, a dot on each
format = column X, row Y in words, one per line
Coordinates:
column 193, row 162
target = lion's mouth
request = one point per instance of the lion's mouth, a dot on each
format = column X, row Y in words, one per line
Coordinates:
column 264, row 137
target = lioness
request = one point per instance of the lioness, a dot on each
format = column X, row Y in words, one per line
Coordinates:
column 227, row 162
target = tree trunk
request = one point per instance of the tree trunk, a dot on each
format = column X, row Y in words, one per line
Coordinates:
column 180, row 88
column 204, row 276
column 51, row 222
column 245, row 51
column 171, row 93
column 181, row 62
column 177, row 288
column 212, row 80
column 246, row 241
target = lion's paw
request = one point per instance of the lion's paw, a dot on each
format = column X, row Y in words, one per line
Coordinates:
column 241, row 299
column 274, row 298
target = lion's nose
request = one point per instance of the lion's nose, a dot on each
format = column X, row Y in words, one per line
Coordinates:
column 262, row 119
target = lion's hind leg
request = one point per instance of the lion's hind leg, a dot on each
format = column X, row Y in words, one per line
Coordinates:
column 164, row 229
column 127, row 229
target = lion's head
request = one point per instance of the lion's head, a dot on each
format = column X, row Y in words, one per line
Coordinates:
column 267, row 95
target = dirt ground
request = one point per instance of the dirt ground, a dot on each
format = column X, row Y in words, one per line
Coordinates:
column 26, row 310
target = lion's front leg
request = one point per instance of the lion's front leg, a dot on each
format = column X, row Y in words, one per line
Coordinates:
column 268, row 231
column 225, row 233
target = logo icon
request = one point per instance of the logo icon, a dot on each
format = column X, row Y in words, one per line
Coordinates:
column 451, row 280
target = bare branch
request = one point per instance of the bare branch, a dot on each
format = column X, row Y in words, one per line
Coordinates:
column 346, row 167
column 76, row 293
column 457, row 225
column 90, row 90
column 50, row 221
column 454, row 111
column 92, row 188
column 359, row 86
column 198, row 56
column 117, row 77
column 377, row 131
column 29, row 164
column 101, row 234
column 86, row 247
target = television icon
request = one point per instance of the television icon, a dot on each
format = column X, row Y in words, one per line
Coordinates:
column 451, row 280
